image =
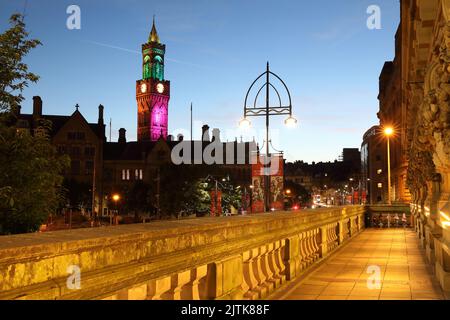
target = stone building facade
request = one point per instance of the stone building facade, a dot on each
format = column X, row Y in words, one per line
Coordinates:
column 425, row 90
column 373, row 166
column 393, row 114
column 104, row 168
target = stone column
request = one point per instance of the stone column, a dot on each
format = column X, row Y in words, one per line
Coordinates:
column 225, row 279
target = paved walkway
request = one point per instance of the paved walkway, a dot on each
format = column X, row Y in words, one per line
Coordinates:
column 404, row 272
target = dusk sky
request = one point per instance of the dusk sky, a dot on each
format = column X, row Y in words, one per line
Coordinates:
column 323, row 50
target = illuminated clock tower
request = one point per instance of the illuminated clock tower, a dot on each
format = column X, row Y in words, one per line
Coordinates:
column 153, row 92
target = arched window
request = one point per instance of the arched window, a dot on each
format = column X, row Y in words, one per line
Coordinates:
column 146, row 67
column 158, row 68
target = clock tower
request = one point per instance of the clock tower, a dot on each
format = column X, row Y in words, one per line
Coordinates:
column 152, row 91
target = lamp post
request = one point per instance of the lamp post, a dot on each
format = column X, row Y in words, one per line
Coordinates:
column 353, row 191
column 267, row 111
column 116, row 198
column 388, row 132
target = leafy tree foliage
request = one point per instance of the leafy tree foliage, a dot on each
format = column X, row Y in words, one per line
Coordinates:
column 30, row 169
column 298, row 193
column 139, row 199
column 77, row 193
column 14, row 74
column 30, row 179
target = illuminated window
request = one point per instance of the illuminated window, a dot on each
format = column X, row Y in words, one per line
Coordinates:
column 125, row 174
column 380, row 185
column 379, row 171
column 141, row 175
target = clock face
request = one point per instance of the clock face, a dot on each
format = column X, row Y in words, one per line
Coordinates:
column 160, row 88
column 143, row 88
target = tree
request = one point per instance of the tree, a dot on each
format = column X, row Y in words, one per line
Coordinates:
column 30, row 180
column 231, row 196
column 30, row 168
column 77, row 193
column 298, row 192
column 138, row 199
column 14, row 74
column 197, row 198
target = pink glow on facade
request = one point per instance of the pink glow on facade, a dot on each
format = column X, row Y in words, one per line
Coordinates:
column 159, row 118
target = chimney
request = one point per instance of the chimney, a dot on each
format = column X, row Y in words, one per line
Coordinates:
column 180, row 137
column 37, row 106
column 205, row 133
column 216, row 135
column 122, row 135
column 100, row 115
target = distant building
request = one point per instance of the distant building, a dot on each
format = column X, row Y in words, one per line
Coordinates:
column 373, row 166
column 110, row 167
column 353, row 156
column 75, row 136
column 326, row 174
column 393, row 113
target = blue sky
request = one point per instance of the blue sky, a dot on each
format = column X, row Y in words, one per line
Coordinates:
column 323, row 50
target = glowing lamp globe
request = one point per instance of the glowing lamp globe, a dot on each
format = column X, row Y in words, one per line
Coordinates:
column 388, row 131
column 291, row 122
column 245, row 123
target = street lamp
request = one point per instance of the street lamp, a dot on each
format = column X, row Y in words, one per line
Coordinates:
column 116, row 198
column 267, row 111
column 353, row 191
column 388, row 132
column 245, row 124
column 290, row 122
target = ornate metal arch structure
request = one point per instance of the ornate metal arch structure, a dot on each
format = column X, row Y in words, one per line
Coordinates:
column 253, row 111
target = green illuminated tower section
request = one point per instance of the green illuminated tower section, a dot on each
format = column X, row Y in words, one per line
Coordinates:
column 152, row 91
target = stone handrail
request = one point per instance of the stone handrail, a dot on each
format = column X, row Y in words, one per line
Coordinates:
column 244, row 257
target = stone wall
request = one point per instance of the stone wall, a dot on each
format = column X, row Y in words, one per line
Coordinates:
column 426, row 72
column 210, row 258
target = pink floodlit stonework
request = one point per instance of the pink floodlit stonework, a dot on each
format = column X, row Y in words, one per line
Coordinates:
column 159, row 117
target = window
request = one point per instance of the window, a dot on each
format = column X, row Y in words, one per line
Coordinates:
column 75, row 136
column 75, row 167
column 141, row 174
column 138, row 174
column 380, row 185
column 379, row 171
column 89, row 168
column 80, row 136
column 75, row 151
column 125, row 175
column 89, row 151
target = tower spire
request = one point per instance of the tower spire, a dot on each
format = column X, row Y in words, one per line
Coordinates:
column 153, row 34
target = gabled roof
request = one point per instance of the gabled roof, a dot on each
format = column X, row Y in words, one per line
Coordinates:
column 58, row 122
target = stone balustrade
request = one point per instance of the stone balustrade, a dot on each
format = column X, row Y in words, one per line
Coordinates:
column 244, row 257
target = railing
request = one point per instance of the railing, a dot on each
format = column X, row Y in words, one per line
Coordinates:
column 245, row 257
